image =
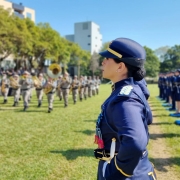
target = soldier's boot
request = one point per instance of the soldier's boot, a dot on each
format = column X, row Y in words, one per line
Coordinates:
column 65, row 106
column 25, row 108
column 80, row 99
column 74, row 102
column 5, row 101
column 60, row 99
column 49, row 110
column 39, row 105
column 19, row 99
column 14, row 104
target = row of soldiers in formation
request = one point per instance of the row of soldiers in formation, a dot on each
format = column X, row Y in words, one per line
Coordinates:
column 22, row 85
column 169, row 90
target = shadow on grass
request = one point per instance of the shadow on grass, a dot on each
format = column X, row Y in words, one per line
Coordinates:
column 87, row 132
column 162, row 123
column 157, row 109
column 72, row 154
column 161, row 115
column 162, row 163
column 91, row 120
column 170, row 135
column 156, row 106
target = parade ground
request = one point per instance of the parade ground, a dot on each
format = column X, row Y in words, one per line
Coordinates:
column 36, row 145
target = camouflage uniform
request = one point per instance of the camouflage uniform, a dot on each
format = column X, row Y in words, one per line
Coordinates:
column 65, row 86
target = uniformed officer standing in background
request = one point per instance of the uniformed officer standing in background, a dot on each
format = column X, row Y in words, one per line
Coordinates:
column 26, row 84
column 122, row 127
column 173, row 90
column 65, row 86
column 5, row 87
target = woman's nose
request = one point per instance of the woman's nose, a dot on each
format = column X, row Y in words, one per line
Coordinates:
column 103, row 61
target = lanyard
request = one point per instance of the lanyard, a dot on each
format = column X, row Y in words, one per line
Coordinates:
column 98, row 135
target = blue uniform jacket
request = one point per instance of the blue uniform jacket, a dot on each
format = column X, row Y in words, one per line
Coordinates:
column 125, row 117
column 143, row 85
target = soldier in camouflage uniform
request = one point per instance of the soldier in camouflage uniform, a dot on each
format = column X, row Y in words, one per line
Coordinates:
column 16, row 88
column 5, row 87
column 26, row 84
column 74, row 87
column 65, row 86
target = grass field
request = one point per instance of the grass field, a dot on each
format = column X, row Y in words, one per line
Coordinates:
column 36, row 145
column 169, row 131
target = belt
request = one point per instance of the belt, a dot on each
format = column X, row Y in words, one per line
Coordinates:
column 51, row 93
column 103, row 154
column 64, row 88
column 38, row 89
column 24, row 89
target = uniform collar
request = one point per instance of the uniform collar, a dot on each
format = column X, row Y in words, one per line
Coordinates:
column 122, row 83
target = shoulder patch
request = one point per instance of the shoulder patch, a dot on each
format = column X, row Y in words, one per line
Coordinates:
column 126, row 90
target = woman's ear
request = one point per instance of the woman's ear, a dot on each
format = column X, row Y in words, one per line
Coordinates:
column 121, row 66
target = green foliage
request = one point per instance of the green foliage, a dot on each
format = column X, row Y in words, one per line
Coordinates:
column 171, row 59
column 152, row 63
column 36, row 145
column 35, row 43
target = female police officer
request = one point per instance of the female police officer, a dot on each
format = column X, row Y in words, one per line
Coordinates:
column 122, row 127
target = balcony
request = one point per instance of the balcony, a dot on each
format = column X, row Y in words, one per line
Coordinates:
column 18, row 7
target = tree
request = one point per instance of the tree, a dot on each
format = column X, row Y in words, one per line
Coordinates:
column 7, row 34
column 152, row 63
column 171, row 59
column 160, row 52
column 94, row 63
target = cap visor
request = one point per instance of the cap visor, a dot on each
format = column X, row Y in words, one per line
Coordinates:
column 107, row 54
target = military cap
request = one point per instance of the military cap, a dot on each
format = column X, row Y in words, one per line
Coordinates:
column 15, row 75
column 26, row 72
column 127, row 50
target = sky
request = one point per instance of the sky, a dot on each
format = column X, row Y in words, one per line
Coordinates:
column 152, row 23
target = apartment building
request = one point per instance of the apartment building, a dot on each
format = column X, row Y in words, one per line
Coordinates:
column 18, row 9
column 87, row 35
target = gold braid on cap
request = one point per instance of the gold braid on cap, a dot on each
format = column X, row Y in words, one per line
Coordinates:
column 114, row 52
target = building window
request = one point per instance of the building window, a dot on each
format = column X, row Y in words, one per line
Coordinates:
column 85, row 26
column 89, row 44
column 89, row 35
column 29, row 15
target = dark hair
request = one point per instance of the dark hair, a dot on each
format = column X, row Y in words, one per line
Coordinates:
column 135, row 72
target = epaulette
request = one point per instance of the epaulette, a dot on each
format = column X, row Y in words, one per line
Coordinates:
column 126, row 91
